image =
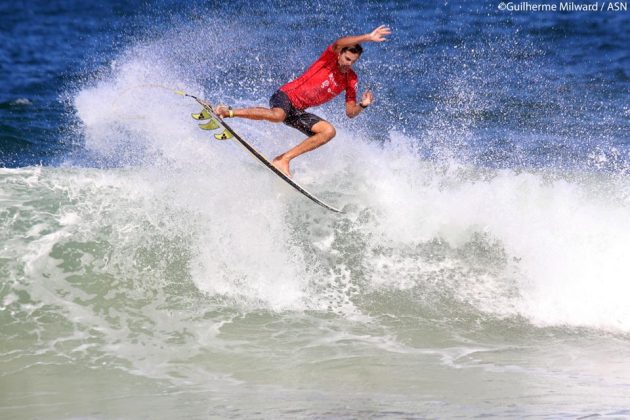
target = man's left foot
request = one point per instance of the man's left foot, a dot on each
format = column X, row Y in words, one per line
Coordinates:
column 282, row 165
column 224, row 111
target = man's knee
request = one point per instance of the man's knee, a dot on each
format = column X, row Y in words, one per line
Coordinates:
column 277, row 115
column 325, row 128
column 330, row 131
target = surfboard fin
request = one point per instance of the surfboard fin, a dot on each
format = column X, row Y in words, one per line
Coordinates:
column 210, row 125
column 224, row 135
column 204, row 114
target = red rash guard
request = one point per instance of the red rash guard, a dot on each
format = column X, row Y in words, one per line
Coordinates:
column 321, row 82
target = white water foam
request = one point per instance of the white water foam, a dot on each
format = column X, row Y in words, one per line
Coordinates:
column 255, row 241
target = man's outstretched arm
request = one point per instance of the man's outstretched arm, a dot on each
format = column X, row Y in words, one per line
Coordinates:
column 377, row 35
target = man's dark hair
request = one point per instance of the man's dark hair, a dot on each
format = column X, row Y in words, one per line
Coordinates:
column 356, row 49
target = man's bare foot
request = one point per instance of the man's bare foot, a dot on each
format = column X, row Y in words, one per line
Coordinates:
column 224, row 111
column 282, row 165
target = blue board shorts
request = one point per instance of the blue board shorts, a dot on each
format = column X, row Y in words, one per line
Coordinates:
column 296, row 118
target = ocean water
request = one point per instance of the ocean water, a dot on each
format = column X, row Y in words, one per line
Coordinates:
column 480, row 268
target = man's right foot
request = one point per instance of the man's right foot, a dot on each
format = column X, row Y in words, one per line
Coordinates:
column 282, row 165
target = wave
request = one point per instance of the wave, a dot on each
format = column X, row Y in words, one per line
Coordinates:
column 447, row 241
column 150, row 227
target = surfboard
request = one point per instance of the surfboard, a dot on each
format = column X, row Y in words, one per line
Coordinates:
column 227, row 133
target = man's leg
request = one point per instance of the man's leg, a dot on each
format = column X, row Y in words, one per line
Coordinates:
column 324, row 132
column 257, row 113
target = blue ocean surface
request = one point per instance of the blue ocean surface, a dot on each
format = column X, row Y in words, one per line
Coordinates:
column 518, row 89
column 479, row 268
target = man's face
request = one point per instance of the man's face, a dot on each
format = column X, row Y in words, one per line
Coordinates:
column 346, row 60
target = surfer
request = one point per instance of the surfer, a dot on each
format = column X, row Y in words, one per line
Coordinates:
column 326, row 78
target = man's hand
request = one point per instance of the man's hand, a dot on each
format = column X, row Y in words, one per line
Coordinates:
column 353, row 109
column 379, row 34
column 367, row 98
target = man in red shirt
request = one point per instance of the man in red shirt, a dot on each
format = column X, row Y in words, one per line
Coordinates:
column 326, row 78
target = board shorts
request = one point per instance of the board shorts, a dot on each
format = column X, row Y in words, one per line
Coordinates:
column 296, row 118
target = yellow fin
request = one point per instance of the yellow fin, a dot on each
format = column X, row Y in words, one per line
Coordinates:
column 202, row 115
column 210, row 125
column 224, row 135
